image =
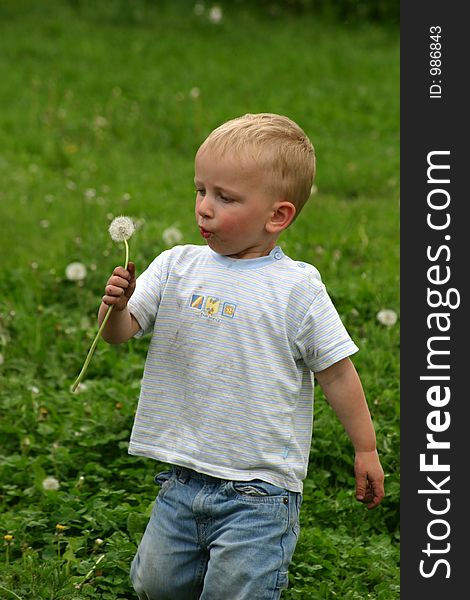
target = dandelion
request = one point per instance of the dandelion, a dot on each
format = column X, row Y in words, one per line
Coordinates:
column 199, row 9
column 100, row 121
column 8, row 540
column 215, row 14
column 44, row 223
column 387, row 317
column 51, row 484
column 194, row 93
column 172, row 236
column 75, row 271
column 120, row 230
column 59, row 532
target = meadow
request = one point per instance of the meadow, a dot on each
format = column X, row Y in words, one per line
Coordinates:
column 103, row 106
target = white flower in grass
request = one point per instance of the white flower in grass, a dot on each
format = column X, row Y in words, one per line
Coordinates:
column 2, row 359
column 172, row 236
column 194, row 93
column 75, row 271
column 387, row 317
column 199, row 9
column 50, row 484
column 121, row 229
column 215, row 14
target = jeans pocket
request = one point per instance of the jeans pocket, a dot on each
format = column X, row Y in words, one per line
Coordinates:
column 164, row 480
column 257, row 489
column 162, row 477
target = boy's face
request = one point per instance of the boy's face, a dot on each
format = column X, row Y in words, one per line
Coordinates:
column 233, row 206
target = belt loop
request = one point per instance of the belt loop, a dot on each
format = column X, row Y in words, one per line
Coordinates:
column 182, row 474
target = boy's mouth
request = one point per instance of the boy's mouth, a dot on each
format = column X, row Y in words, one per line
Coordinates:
column 205, row 234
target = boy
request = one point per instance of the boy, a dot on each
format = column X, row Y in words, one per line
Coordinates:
column 238, row 329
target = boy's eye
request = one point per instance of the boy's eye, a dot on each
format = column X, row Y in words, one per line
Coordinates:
column 225, row 199
column 200, row 191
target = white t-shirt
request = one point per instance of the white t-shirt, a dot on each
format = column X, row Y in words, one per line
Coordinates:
column 228, row 386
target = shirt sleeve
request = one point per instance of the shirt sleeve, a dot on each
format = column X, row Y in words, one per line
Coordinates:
column 322, row 339
column 145, row 300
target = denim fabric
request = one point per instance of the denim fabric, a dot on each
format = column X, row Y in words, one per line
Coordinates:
column 213, row 539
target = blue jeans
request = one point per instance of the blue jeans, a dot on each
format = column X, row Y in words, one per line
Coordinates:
column 213, row 539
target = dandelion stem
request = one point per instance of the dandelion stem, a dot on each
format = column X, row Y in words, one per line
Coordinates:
column 90, row 572
column 98, row 335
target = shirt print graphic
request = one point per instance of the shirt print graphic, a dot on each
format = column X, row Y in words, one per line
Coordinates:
column 212, row 306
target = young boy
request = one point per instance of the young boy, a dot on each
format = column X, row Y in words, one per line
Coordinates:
column 237, row 328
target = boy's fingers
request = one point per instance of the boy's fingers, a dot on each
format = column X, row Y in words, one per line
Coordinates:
column 373, row 494
column 118, row 281
column 361, row 486
column 131, row 269
column 121, row 272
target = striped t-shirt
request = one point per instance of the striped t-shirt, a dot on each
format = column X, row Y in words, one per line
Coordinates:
column 228, row 387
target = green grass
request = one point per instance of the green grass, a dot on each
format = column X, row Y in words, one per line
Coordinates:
column 98, row 119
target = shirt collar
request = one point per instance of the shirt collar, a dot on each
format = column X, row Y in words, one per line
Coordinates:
column 242, row 264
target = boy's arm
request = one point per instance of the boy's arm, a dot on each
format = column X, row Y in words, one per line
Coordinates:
column 121, row 325
column 343, row 390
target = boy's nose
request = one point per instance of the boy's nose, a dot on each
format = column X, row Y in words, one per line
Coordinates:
column 205, row 208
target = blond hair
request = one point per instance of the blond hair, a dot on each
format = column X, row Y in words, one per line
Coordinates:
column 277, row 145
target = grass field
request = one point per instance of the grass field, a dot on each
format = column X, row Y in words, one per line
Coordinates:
column 103, row 107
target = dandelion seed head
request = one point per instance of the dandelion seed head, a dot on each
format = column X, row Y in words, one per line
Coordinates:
column 75, row 271
column 172, row 236
column 121, row 229
column 215, row 14
column 199, row 9
column 387, row 317
column 50, row 484
column 194, row 93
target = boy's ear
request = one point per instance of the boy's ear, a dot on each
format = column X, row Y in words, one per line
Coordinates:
column 282, row 215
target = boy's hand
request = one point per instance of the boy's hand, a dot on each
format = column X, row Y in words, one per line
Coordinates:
column 369, row 478
column 120, row 287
